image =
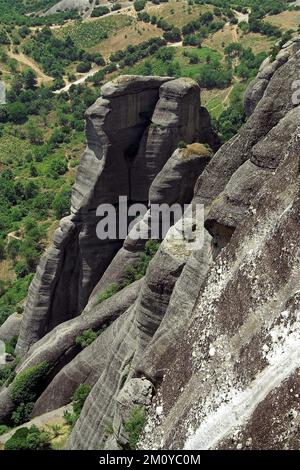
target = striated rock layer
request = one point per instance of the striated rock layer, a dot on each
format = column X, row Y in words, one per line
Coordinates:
column 208, row 340
column 220, row 342
column 132, row 130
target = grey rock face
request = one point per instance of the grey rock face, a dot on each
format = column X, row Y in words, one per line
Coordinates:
column 173, row 184
column 138, row 325
column 135, row 395
column 231, row 365
column 11, row 327
column 64, row 5
column 131, row 132
column 59, row 343
column 163, row 344
column 6, row 405
column 215, row 310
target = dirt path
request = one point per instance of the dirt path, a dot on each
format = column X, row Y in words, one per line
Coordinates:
column 234, row 32
column 53, row 417
column 79, row 81
column 23, row 59
column 242, row 17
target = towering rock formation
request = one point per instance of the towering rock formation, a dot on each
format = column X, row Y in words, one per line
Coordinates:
column 132, row 131
column 208, row 340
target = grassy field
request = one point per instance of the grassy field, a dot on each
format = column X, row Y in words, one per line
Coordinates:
column 192, row 70
column 216, row 100
column 220, row 39
column 256, row 41
column 88, row 34
column 134, row 34
column 177, row 13
column 286, row 20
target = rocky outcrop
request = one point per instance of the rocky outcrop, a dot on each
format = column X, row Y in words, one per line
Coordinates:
column 236, row 369
column 65, row 5
column 218, row 314
column 209, row 340
column 174, row 184
column 11, row 327
column 132, row 130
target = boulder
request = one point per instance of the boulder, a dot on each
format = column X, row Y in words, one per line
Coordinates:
column 11, row 327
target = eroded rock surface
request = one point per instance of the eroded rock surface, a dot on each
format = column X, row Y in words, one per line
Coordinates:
column 208, row 341
column 132, row 130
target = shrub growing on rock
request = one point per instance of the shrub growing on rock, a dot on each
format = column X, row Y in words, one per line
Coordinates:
column 27, row 384
column 87, row 338
column 134, row 426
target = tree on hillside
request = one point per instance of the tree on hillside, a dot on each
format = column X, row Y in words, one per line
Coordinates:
column 139, row 5
column 30, row 80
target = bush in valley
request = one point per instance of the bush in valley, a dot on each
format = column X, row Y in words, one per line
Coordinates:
column 215, row 75
column 173, row 35
column 84, row 67
column 52, row 53
column 233, row 117
column 57, row 168
column 13, row 294
column 116, row 7
column 133, row 54
column 22, row 413
column 29, row 439
column 139, row 5
column 100, row 11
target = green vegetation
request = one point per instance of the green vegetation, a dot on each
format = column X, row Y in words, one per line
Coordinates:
column 25, row 389
column 3, row 429
column 7, row 374
column 28, row 382
column 29, row 439
column 139, row 5
column 135, row 425
column 87, row 338
column 134, row 273
column 100, row 11
column 79, row 398
column 52, row 53
column 91, row 33
column 109, row 292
